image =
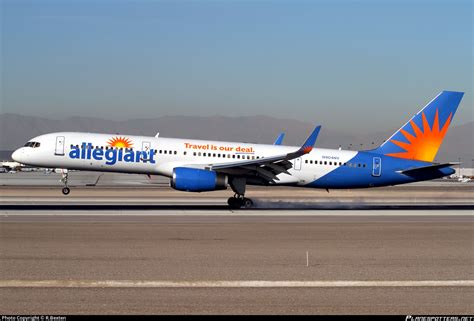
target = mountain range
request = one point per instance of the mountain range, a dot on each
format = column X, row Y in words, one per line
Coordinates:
column 16, row 129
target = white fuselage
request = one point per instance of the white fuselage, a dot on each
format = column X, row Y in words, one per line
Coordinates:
column 159, row 156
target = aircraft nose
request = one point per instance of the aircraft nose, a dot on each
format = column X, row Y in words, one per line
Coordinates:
column 18, row 155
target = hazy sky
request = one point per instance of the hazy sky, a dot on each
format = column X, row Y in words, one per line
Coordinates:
column 346, row 64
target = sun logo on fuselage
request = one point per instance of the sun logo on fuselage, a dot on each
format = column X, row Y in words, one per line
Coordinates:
column 425, row 144
column 120, row 142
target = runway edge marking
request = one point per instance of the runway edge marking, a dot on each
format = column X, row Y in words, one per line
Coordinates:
column 228, row 284
column 228, row 213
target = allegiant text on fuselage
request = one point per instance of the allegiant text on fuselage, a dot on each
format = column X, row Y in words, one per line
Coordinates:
column 111, row 156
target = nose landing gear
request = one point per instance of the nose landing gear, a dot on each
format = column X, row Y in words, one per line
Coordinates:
column 66, row 190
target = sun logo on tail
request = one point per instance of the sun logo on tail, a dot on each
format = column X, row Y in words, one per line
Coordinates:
column 425, row 144
column 120, row 142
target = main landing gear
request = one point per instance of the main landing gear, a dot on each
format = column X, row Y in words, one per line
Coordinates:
column 238, row 201
column 66, row 190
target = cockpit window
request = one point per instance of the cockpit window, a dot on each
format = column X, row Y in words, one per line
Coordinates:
column 32, row 144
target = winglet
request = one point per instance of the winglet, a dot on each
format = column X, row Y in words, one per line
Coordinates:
column 279, row 139
column 310, row 141
column 307, row 146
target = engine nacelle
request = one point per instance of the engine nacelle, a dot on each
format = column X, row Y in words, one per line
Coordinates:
column 197, row 180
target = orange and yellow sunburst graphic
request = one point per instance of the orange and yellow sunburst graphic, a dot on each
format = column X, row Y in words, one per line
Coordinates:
column 120, row 142
column 425, row 144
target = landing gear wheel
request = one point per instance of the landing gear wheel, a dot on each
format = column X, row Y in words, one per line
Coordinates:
column 247, row 203
column 234, row 202
column 239, row 202
column 66, row 190
column 64, row 174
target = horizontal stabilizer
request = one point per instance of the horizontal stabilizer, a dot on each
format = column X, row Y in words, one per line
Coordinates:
column 417, row 170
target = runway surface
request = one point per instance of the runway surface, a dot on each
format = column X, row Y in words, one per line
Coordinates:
column 423, row 195
column 148, row 249
column 405, row 262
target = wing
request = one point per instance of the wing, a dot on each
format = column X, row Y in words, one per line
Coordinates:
column 266, row 167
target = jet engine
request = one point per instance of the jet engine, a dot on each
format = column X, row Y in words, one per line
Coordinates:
column 197, row 180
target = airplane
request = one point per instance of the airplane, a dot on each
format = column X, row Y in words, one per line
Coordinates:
column 11, row 166
column 202, row 165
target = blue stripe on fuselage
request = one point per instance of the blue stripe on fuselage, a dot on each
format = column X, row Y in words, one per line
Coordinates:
column 361, row 177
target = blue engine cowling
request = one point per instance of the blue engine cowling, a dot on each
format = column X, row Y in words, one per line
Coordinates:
column 197, row 180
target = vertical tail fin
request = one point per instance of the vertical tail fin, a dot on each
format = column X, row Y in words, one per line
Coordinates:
column 421, row 137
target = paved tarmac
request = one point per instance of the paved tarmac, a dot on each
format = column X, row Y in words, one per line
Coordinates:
column 147, row 249
column 412, row 301
column 424, row 193
column 142, row 261
column 80, row 178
